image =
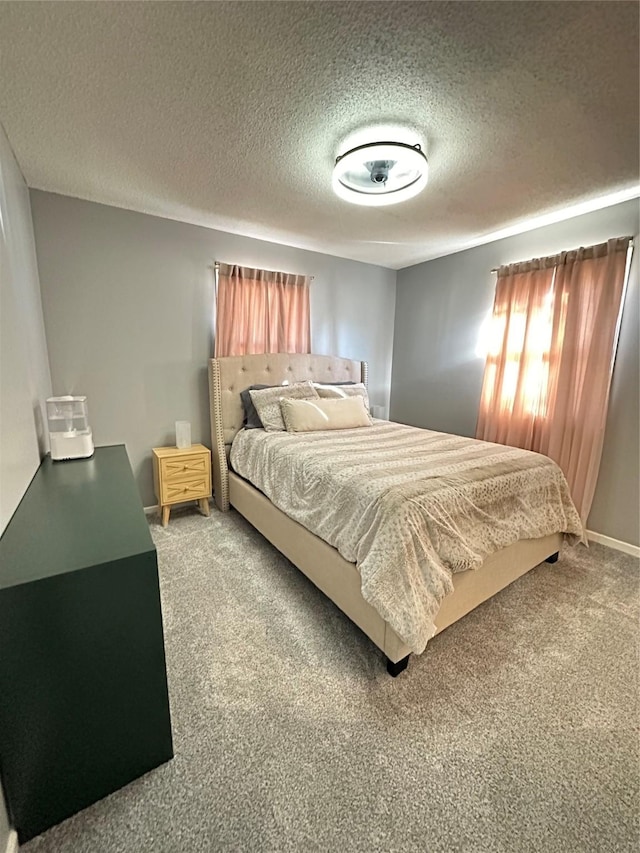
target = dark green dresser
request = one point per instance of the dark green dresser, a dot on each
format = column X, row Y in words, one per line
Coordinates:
column 84, row 707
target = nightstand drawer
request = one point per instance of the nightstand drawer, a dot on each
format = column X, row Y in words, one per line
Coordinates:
column 175, row 470
column 186, row 490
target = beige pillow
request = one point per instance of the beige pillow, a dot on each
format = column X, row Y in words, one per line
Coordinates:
column 267, row 402
column 311, row 415
column 359, row 389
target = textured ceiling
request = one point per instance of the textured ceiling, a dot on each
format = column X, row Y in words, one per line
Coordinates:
column 230, row 115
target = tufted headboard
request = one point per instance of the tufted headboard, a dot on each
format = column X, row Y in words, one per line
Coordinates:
column 230, row 375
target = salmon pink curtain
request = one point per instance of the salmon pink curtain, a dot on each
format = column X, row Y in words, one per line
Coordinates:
column 260, row 311
column 548, row 371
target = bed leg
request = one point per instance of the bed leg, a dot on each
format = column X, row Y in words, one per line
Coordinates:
column 394, row 669
column 553, row 558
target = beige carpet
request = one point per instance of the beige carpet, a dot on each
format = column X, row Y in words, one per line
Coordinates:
column 517, row 730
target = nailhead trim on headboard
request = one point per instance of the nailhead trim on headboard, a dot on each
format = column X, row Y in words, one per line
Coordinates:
column 220, row 467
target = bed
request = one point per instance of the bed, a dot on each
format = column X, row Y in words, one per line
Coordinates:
column 336, row 577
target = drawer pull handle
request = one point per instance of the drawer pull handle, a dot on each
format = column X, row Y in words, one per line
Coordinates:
column 185, row 468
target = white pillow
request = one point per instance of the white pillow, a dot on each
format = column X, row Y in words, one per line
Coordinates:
column 359, row 389
column 267, row 402
column 311, row 415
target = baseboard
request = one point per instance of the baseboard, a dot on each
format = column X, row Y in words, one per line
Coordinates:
column 12, row 842
column 626, row 547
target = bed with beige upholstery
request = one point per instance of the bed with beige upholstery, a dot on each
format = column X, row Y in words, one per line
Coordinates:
column 339, row 579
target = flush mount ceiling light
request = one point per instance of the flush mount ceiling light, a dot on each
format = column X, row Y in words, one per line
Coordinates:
column 380, row 173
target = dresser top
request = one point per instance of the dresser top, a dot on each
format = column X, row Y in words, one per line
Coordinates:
column 75, row 514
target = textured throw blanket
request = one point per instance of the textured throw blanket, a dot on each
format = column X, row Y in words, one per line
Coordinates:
column 408, row 506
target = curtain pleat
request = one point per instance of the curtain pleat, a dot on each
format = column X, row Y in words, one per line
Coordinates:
column 548, row 374
column 260, row 311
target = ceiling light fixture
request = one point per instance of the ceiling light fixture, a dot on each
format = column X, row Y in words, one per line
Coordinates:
column 380, row 173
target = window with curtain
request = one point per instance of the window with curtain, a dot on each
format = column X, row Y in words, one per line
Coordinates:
column 552, row 341
column 259, row 311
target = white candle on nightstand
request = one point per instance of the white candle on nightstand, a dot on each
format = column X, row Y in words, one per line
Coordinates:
column 183, row 434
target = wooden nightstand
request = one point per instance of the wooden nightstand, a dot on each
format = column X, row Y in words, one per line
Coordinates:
column 181, row 475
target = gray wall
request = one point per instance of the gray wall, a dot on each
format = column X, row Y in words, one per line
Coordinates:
column 128, row 312
column 437, row 368
column 24, row 369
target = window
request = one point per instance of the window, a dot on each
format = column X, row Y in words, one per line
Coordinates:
column 259, row 311
column 527, row 348
column 552, row 340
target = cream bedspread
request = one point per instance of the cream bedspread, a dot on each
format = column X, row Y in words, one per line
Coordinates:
column 408, row 506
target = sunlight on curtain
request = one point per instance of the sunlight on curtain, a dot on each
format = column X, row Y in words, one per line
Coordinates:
column 532, row 332
column 549, row 360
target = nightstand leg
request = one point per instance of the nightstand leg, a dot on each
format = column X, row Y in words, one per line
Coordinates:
column 165, row 515
column 203, row 503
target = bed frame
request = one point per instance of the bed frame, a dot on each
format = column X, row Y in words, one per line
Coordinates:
column 322, row 564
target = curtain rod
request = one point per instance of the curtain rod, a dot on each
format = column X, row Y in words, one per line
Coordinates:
column 216, row 266
column 495, row 269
